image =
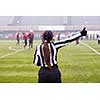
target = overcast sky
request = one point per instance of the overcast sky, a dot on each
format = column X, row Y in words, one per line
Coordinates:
column 49, row 20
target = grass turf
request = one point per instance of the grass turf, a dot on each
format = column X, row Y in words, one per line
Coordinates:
column 78, row 64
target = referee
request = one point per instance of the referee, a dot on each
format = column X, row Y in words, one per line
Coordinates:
column 46, row 56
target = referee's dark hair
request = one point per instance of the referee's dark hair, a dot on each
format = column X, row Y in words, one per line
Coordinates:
column 48, row 36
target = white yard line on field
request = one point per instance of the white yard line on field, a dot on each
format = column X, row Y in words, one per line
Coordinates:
column 11, row 53
column 90, row 48
column 10, row 48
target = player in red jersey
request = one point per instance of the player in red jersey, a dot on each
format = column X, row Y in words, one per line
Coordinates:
column 25, row 37
column 22, row 38
column 18, row 38
column 31, row 38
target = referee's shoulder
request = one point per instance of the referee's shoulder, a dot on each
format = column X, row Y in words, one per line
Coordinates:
column 38, row 46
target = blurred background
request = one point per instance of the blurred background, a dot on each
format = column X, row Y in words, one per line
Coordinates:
column 9, row 25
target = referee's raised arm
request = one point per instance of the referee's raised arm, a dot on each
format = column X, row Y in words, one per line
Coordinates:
column 62, row 43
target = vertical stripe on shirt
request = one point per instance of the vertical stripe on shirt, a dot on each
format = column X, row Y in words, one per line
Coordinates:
column 53, row 50
column 42, row 57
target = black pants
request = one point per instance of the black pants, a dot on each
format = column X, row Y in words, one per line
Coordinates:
column 45, row 75
column 98, row 41
column 31, row 43
column 25, row 41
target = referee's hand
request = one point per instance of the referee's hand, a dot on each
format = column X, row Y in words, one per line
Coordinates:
column 84, row 32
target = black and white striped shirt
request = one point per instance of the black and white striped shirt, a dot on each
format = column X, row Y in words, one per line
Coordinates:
column 54, row 47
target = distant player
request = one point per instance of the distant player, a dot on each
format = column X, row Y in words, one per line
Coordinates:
column 18, row 38
column 58, row 38
column 25, row 37
column 77, row 42
column 31, row 38
column 42, row 35
column 98, row 37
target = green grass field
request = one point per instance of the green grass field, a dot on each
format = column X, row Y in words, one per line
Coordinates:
column 78, row 64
